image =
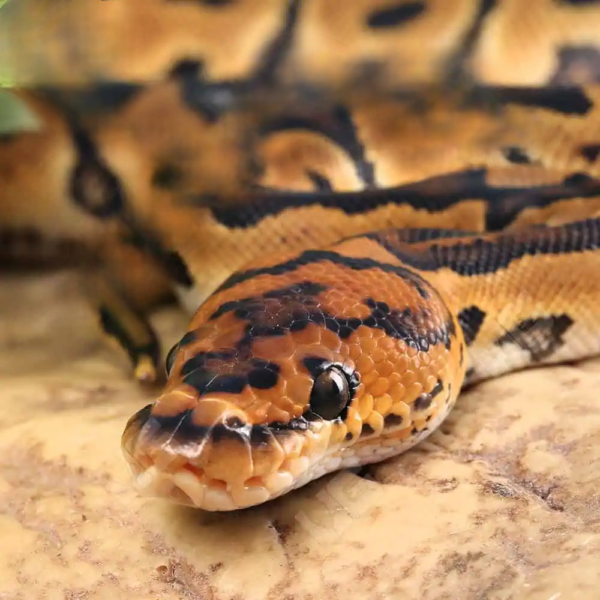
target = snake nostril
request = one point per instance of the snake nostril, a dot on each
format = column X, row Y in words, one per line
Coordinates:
column 233, row 423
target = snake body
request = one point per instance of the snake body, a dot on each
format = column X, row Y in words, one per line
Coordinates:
column 463, row 187
column 347, row 355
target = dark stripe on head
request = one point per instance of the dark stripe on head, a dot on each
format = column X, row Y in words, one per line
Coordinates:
column 182, row 430
column 480, row 256
column 540, row 337
column 316, row 256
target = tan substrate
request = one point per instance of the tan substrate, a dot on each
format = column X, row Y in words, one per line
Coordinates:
column 505, row 503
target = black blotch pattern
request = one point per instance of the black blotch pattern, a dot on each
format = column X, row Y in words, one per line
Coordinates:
column 94, row 187
column 577, row 65
column 315, row 256
column 516, row 155
column 540, row 337
column 320, row 182
column 470, row 319
column 590, row 152
column 113, row 327
column 479, row 256
column 277, row 50
column 393, row 16
column 566, row 100
column 167, row 176
column 334, row 122
column 392, row 420
column 170, row 260
column 503, row 204
column 366, row 430
column 181, row 429
column 227, row 371
column 455, row 71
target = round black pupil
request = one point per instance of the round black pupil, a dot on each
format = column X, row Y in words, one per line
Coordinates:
column 330, row 394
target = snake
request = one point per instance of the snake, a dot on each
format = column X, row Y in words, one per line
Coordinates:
column 358, row 256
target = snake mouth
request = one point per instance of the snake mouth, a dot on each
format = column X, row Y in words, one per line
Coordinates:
column 190, row 486
column 219, row 468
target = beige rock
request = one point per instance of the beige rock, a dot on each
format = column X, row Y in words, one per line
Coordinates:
column 503, row 503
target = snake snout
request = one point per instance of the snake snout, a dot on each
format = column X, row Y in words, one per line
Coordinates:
column 206, row 453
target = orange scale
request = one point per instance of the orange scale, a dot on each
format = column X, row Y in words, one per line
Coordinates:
column 383, row 404
column 365, row 406
column 403, row 410
column 275, row 413
column 311, row 336
column 353, row 421
column 331, row 340
column 298, row 389
column 430, row 383
column 414, row 390
column 354, row 351
column 385, row 368
column 375, row 420
column 388, row 343
column 397, row 392
column 271, row 348
column 369, row 378
column 364, row 364
column 380, row 387
column 369, row 345
column 409, row 378
column 378, row 355
column 402, row 364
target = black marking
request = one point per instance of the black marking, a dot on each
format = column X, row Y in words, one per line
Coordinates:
column 516, row 155
column 93, row 186
column 316, row 256
column 393, row 420
column 335, row 123
column 6, row 138
column 422, row 402
column 455, row 72
column 393, row 16
column 113, row 327
column 491, row 253
column 434, row 195
column 264, row 378
column 577, row 65
column 470, row 319
column 540, row 337
column 320, row 182
column 181, row 429
column 167, row 176
column 462, row 355
column 367, row 430
column 590, row 152
column 278, row 49
column 348, row 437
column 566, row 100
column 170, row 260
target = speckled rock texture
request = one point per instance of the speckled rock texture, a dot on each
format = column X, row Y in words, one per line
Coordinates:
column 503, row 502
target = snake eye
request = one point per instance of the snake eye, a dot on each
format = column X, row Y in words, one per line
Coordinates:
column 170, row 360
column 330, row 394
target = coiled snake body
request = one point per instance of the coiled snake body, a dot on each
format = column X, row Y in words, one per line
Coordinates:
column 325, row 354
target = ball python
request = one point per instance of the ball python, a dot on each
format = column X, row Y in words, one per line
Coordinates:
column 325, row 354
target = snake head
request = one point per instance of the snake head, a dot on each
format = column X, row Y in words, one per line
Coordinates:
column 290, row 372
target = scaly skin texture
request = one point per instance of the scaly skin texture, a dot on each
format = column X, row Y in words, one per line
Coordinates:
column 241, row 419
column 243, row 129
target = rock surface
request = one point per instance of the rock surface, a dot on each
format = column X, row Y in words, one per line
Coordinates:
column 502, row 503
